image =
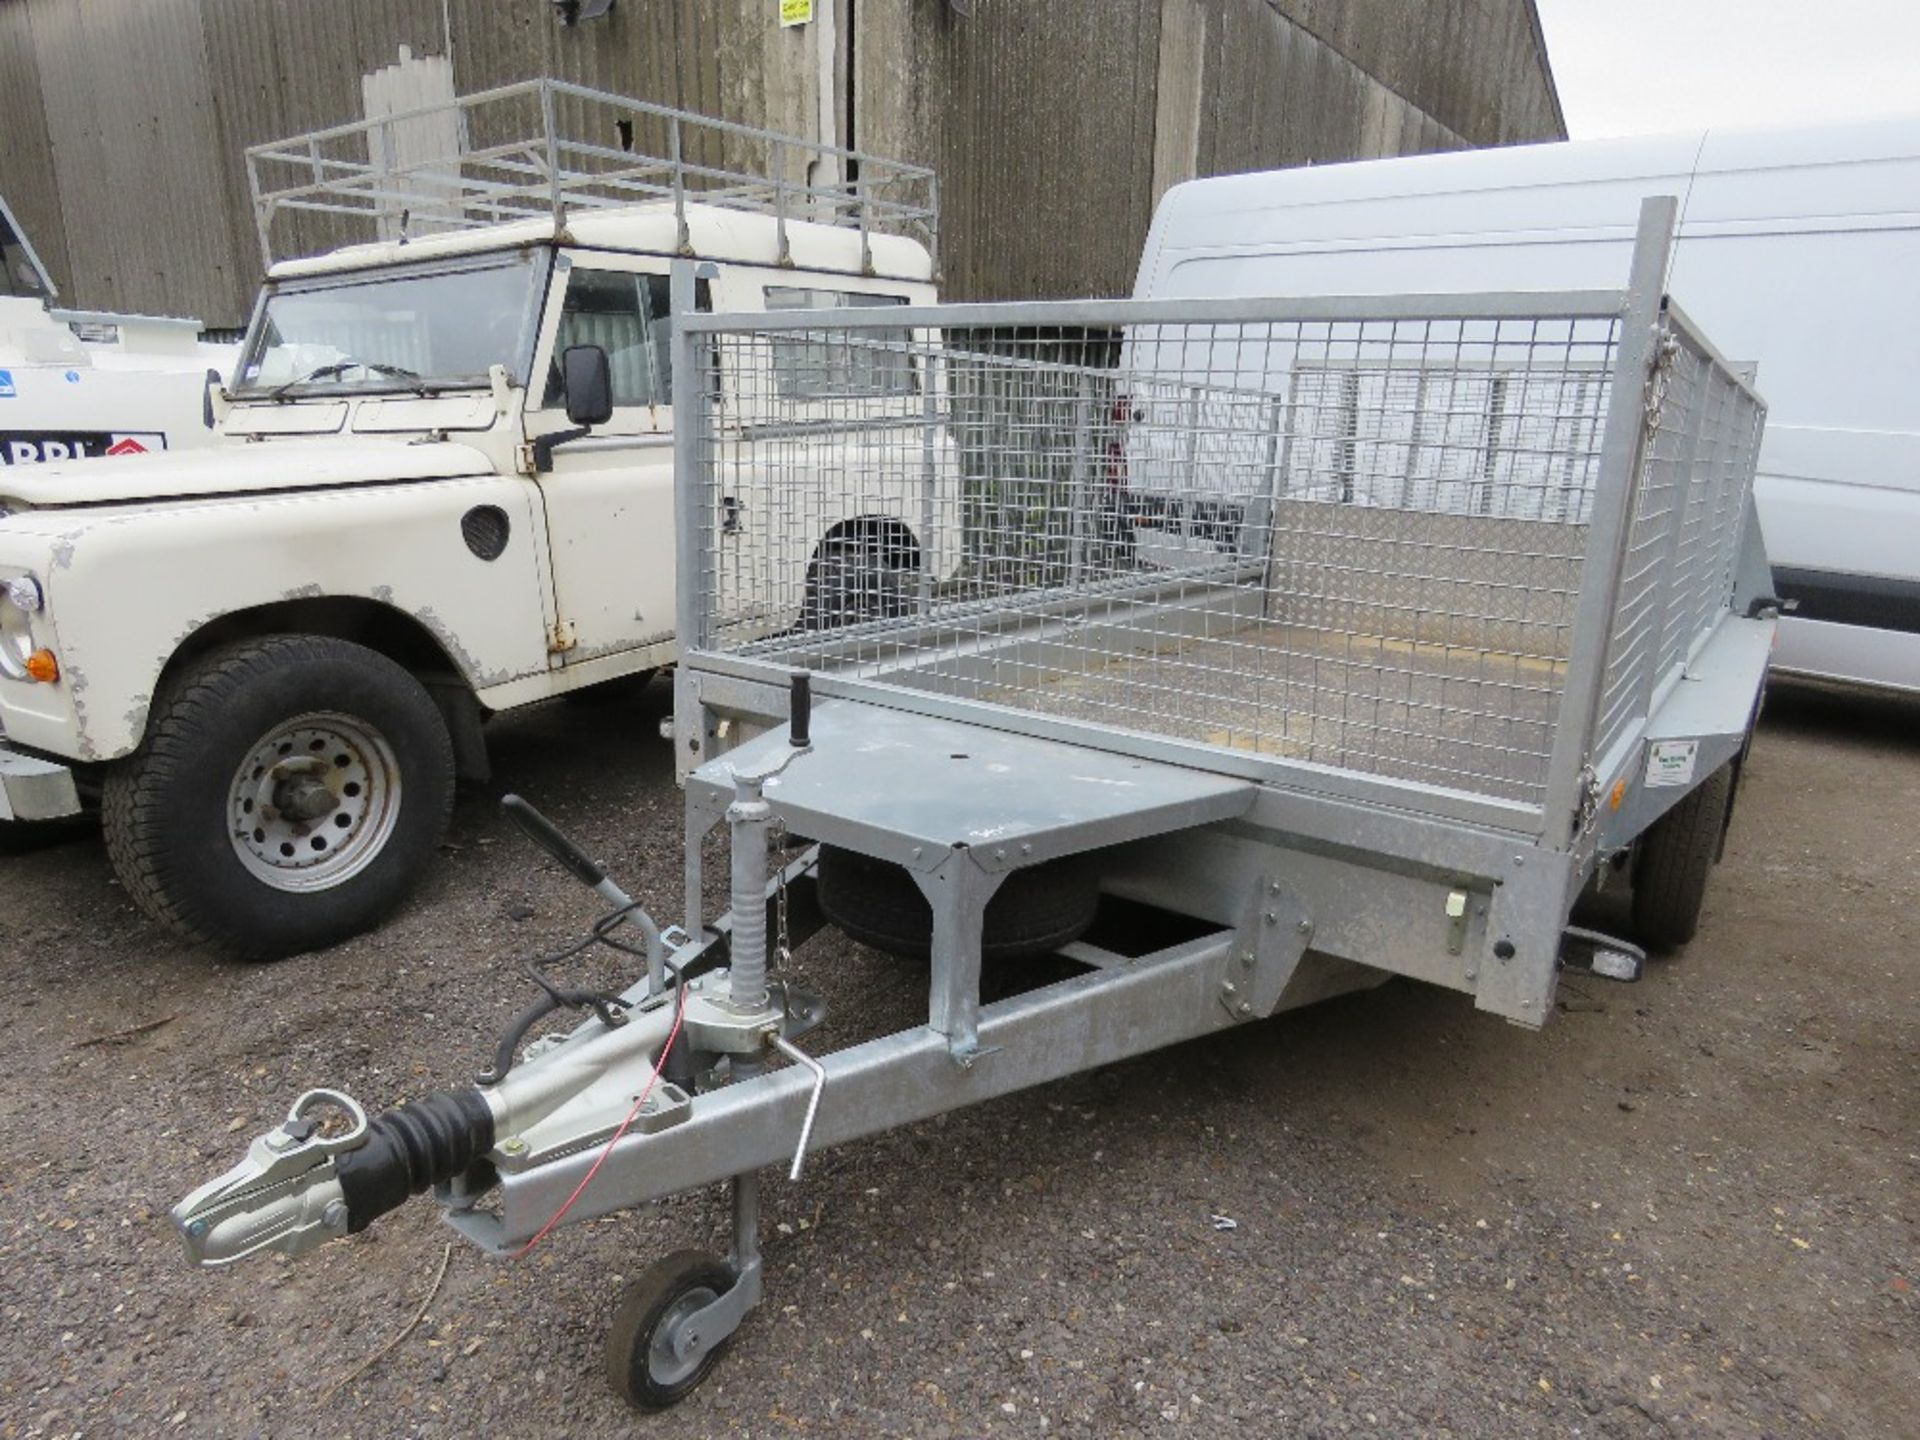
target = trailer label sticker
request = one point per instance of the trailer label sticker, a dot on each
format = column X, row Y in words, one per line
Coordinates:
column 1670, row 762
column 42, row 447
column 7, row 392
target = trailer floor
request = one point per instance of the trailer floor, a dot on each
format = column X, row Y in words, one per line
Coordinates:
column 1684, row 1209
column 1458, row 715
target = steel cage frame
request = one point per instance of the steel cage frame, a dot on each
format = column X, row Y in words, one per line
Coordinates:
column 1648, row 329
column 545, row 171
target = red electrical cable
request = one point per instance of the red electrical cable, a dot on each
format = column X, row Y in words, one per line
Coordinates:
column 679, row 1011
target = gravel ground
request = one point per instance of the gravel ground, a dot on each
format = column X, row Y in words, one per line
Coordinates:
column 1687, row 1208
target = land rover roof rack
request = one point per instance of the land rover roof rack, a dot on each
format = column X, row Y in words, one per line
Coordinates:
column 540, row 148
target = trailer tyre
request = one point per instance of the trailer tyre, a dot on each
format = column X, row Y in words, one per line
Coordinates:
column 1034, row 912
column 643, row 1365
column 1676, row 859
column 287, row 795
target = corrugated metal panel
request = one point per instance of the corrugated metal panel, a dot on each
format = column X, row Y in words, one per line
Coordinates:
column 1478, row 66
column 1157, row 90
column 1053, row 127
column 1040, row 120
column 27, row 176
column 729, row 60
column 129, row 115
column 286, row 66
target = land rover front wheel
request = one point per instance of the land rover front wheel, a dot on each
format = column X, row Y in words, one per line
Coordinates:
column 288, row 793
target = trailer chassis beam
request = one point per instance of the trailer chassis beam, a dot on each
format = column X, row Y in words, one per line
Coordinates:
column 1188, row 990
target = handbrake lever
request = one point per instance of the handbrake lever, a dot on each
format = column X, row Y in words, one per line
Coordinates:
column 592, row 874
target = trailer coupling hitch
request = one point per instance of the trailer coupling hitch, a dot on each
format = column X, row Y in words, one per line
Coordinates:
column 299, row 1186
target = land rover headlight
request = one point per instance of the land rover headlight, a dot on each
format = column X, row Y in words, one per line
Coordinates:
column 20, row 598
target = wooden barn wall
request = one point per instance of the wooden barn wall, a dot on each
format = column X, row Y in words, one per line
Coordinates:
column 1054, row 126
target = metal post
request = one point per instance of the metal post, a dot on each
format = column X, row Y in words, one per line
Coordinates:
column 553, row 156
column 784, row 256
column 679, row 171
column 1281, row 475
column 929, row 473
column 933, row 224
column 866, row 232
column 1256, row 530
column 1079, row 467
column 1188, row 486
column 1611, row 525
column 693, row 459
column 262, row 212
column 1414, row 441
column 746, row 1213
column 692, row 462
column 694, row 918
column 958, row 893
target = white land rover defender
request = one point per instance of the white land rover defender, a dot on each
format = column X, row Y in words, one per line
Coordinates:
column 450, row 493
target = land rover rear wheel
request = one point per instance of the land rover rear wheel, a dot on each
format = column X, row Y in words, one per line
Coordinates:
column 287, row 795
column 859, row 575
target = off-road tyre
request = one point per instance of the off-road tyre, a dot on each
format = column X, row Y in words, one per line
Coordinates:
column 1675, row 859
column 1034, row 912
column 165, row 806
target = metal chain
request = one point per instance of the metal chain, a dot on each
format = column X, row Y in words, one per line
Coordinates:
column 1666, row 351
column 777, row 845
column 1589, row 807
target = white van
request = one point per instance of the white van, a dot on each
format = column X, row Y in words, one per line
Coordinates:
column 1799, row 250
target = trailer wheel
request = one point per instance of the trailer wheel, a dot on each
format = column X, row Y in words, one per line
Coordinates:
column 287, row 795
column 1675, row 860
column 1034, row 912
column 643, row 1365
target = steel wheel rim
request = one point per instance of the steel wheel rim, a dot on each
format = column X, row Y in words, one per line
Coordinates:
column 313, row 802
column 665, row 1368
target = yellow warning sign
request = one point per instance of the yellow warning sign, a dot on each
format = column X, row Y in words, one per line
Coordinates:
column 796, row 12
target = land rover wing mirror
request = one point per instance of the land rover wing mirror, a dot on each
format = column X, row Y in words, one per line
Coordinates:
column 587, row 382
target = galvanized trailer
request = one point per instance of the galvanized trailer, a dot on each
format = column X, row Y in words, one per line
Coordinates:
column 1294, row 645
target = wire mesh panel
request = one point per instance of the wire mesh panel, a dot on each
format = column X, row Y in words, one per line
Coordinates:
column 1703, row 427
column 1353, row 543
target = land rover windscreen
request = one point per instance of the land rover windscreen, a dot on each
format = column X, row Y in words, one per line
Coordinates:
column 390, row 331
